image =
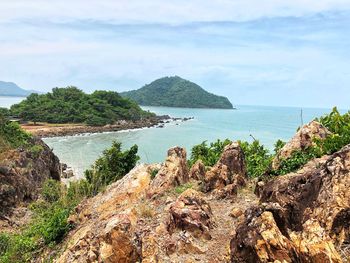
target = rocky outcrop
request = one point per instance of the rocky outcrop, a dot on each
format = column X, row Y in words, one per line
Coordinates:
column 106, row 224
column 191, row 212
column 22, row 173
column 228, row 174
column 303, row 217
column 197, row 171
column 302, row 140
column 174, row 172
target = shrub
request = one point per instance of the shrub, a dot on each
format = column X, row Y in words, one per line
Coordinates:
column 257, row 157
column 209, row 154
column 35, row 150
column 111, row 166
column 51, row 190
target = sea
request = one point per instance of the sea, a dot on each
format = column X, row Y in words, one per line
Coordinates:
column 263, row 123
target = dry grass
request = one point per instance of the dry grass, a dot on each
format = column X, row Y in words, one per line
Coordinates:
column 145, row 211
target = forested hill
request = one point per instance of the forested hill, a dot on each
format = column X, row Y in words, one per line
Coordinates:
column 176, row 92
column 71, row 105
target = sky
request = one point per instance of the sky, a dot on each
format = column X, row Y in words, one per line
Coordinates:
column 255, row 52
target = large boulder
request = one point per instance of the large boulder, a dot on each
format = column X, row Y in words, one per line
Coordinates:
column 22, row 173
column 308, row 210
column 197, row 171
column 229, row 173
column 105, row 225
column 174, row 172
column 191, row 212
column 302, row 140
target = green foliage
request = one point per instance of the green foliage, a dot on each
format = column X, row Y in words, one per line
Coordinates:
column 257, row 157
column 339, row 125
column 278, row 146
column 50, row 220
column 176, row 92
column 51, row 190
column 154, row 173
column 11, row 135
column 71, row 105
column 182, row 188
column 111, row 166
column 209, row 154
column 297, row 160
column 5, row 112
column 35, row 150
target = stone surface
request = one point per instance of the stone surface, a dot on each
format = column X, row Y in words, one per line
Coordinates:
column 301, row 140
column 174, row 172
column 229, row 173
column 190, row 212
column 106, row 224
column 22, row 173
column 197, row 171
column 308, row 211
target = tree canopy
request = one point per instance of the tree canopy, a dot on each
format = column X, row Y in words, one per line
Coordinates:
column 71, row 105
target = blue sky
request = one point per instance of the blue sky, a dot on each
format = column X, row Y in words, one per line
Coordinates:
column 272, row 52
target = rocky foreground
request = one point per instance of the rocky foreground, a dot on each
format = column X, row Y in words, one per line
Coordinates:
column 299, row 217
column 22, row 173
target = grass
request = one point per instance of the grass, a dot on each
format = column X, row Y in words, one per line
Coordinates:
column 182, row 188
column 145, row 211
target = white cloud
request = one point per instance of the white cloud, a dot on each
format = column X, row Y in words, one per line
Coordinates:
column 179, row 11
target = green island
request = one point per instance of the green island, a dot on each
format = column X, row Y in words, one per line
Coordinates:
column 43, row 235
column 176, row 92
column 72, row 105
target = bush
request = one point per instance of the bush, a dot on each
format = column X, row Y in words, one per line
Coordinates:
column 257, row 157
column 209, row 154
column 51, row 190
column 35, row 150
column 111, row 166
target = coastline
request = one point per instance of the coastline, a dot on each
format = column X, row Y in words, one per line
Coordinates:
column 60, row 130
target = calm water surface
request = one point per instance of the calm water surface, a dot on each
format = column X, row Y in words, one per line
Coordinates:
column 264, row 123
column 6, row 102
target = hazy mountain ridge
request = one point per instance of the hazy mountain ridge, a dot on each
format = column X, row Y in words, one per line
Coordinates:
column 176, row 92
column 12, row 89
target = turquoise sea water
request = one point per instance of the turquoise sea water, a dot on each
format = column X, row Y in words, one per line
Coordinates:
column 264, row 123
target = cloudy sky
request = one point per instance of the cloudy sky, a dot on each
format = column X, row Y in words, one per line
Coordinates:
column 257, row 52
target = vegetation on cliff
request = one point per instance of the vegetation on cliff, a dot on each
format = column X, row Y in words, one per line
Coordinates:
column 11, row 135
column 259, row 158
column 71, row 105
column 50, row 213
column 176, row 92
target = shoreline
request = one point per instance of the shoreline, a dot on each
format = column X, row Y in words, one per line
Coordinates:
column 61, row 130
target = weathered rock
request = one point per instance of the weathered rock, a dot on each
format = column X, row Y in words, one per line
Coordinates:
column 106, row 224
column 174, row 172
column 23, row 172
column 190, row 212
column 301, row 141
column 229, row 173
column 309, row 209
column 236, row 212
column 197, row 171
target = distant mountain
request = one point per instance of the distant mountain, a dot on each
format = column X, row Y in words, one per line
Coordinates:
column 11, row 89
column 176, row 92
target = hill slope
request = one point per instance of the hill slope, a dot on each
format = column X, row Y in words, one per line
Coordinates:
column 11, row 89
column 176, row 92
